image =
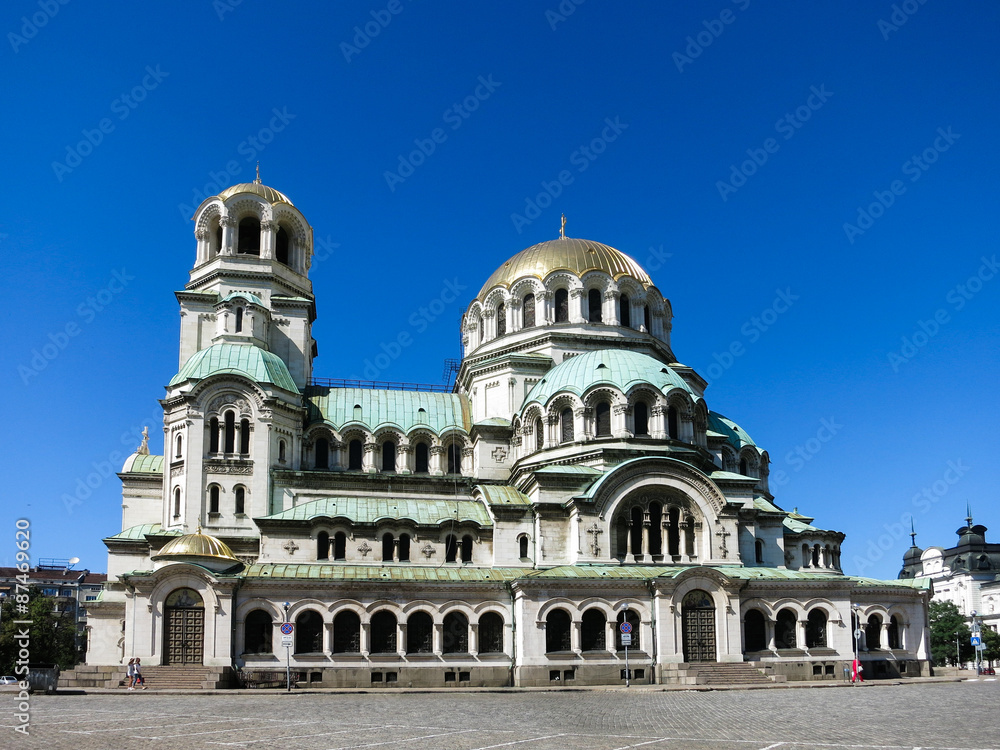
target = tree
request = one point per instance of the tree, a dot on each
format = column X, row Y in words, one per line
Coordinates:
column 948, row 626
column 991, row 639
column 50, row 636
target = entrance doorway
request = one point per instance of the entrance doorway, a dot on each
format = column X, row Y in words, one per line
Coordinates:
column 698, row 622
column 183, row 627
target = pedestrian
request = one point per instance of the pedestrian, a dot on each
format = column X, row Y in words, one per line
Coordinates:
column 139, row 679
column 130, row 674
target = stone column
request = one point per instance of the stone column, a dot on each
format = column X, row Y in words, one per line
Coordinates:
column 769, row 629
column 365, row 638
column 228, row 224
column 368, row 458
column 473, row 638
column 577, row 299
column 400, row 638
column 544, row 313
column 268, row 232
column 575, row 640
column 437, row 639
column 610, row 312
column 800, row 633
column 436, row 452
column 658, row 422
column 645, row 534
column 619, row 421
column 551, row 438
column 404, row 464
column 515, row 320
column 489, row 325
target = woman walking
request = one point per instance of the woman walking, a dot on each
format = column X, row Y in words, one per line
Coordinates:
column 130, row 674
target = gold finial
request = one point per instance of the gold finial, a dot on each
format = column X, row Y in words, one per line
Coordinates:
column 562, row 228
column 258, row 174
column 143, row 449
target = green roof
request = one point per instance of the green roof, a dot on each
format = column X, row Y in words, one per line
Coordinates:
column 735, row 435
column 237, row 359
column 502, row 495
column 797, row 527
column 373, row 509
column 569, row 469
column 762, row 503
column 143, row 463
column 446, row 573
column 406, row 410
column 253, row 298
column 143, row 530
column 615, row 367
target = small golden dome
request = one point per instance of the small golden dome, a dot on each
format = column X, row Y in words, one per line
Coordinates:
column 271, row 195
column 565, row 254
column 195, row 548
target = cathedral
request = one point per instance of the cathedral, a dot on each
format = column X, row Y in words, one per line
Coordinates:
column 570, row 512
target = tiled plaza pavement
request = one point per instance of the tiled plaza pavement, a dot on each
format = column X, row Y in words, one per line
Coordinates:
column 936, row 715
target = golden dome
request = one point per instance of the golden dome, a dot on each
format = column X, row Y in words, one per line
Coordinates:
column 271, row 195
column 567, row 254
column 197, row 547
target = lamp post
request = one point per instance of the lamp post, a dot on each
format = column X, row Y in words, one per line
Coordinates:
column 288, row 656
column 856, row 608
column 977, row 633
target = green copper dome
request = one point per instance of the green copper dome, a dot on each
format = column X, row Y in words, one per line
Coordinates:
column 615, row 367
column 237, row 359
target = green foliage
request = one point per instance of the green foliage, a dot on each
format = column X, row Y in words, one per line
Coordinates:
column 991, row 639
column 50, row 635
column 947, row 625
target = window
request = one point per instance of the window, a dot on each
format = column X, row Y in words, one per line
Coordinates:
column 754, row 631
column 309, row 632
column 641, row 413
column 354, row 462
column 758, row 547
column 528, row 311
column 179, row 445
column 603, row 419
column 213, row 435
column 539, row 434
column 213, row 499
column 403, row 549
column 466, row 549
column 594, row 305
column 456, row 634
column 257, row 633
column 419, row 633
column 230, row 423
column 522, row 545
column 743, row 467
column 340, row 546
column 633, row 618
column 501, row 319
column 894, row 640
column 455, row 458
column 383, row 633
column 566, row 426
column 816, row 629
column 241, row 501
column 593, row 631
column 322, row 546
column 358, row 413
column 873, row 632
column 562, row 306
column 450, row 548
column 784, row 629
column 177, row 502
column 248, row 239
column 281, row 246
column 647, row 319
column 422, row 460
column 557, row 631
column 388, row 456
column 322, row 454
column 245, row 437
column 388, row 547
column 239, row 320
column 490, row 633
column 672, row 423
column 346, row 633
column 625, row 316
column 281, row 451
column 218, row 239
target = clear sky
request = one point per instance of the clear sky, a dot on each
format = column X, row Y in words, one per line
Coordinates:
column 810, row 184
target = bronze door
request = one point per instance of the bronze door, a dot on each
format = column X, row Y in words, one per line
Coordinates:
column 185, row 631
column 699, row 634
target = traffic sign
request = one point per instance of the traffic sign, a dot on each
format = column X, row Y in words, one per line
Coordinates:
column 626, row 639
column 625, row 627
column 976, row 640
column 286, row 641
column 287, row 628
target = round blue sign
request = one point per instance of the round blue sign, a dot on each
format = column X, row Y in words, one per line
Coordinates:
column 286, row 628
column 625, row 627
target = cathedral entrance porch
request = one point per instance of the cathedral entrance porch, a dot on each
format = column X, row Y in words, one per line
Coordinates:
column 183, row 627
column 698, row 622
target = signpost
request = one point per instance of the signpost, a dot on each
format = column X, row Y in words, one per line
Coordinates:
column 287, row 629
column 626, row 630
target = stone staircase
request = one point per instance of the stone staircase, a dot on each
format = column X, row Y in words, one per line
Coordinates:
column 180, row 677
column 727, row 673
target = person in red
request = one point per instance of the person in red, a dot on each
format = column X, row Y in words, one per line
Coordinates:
column 857, row 672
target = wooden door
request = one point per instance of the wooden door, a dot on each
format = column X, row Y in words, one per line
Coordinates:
column 185, row 635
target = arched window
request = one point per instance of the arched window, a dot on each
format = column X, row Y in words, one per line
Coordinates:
column 491, row 633
column 230, row 422
column 177, row 502
column 673, row 531
column 455, row 458
column 754, row 631
column 239, row 320
column 322, row 546
column 641, row 414
column 354, row 460
column 466, row 549
column 602, row 419
column 557, row 631
column 281, row 246
column 895, row 642
column 419, row 633
column 647, row 319
column 241, row 500
column 528, row 311
column 388, row 456
column 309, row 633
column 179, row 447
column 816, row 629
column 593, row 631
column 257, row 633
column 566, row 426
column 784, row 629
column 655, row 529
column 213, row 499
column 633, row 618
column 501, row 319
column 383, row 632
column 248, row 239
column 346, row 633
column 594, row 305
column 218, row 239
column 450, row 548
column 281, row 450
column 340, row 546
column 358, row 413
column 562, row 306
column 758, row 547
column 873, row 633
column 213, row 435
column 743, row 467
column 245, row 436
column 455, row 637
column 322, row 453
column 422, row 459
column 522, row 546
column 815, row 555
column 539, row 434
column 625, row 314
column 672, row 423
column 404, row 548
column 388, row 546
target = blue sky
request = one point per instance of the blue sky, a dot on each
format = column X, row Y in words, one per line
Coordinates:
column 809, row 183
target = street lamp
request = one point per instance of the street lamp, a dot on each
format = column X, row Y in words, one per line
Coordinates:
column 288, row 657
column 856, row 608
column 977, row 633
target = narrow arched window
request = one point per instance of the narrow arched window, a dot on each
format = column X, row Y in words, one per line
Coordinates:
column 603, row 419
column 179, row 446
column 672, row 423
column 340, row 546
column 248, row 239
column 388, row 547
column 641, row 415
column 625, row 314
column 522, row 546
column 322, row 546
column 419, row 633
column 404, row 548
column 490, row 633
column 358, row 413
column 230, row 422
column 241, row 501
column 743, row 467
column 759, row 551
column 218, row 240
column 354, row 461
column 593, row 630
column 895, row 642
column 257, row 633
column 383, row 633
column 213, row 435
column 566, row 425
column 754, row 631
column 213, row 499
column 501, row 319
column 322, row 454
column 557, row 631
column 596, row 315
column 245, row 436
column 816, row 629
column 177, row 502
column 281, row 246
column 873, row 633
column 562, row 306
column 281, row 450
column 346, row 633
column 239, row 320
column 309, row 632
column 647, row 319
column 455, row 634
column 421, row 458
column 539, row 434
column 528, row 311
column 450, row 548
column 784, row 629
column 466, row 549
column 455, row 458
column 388, row 456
